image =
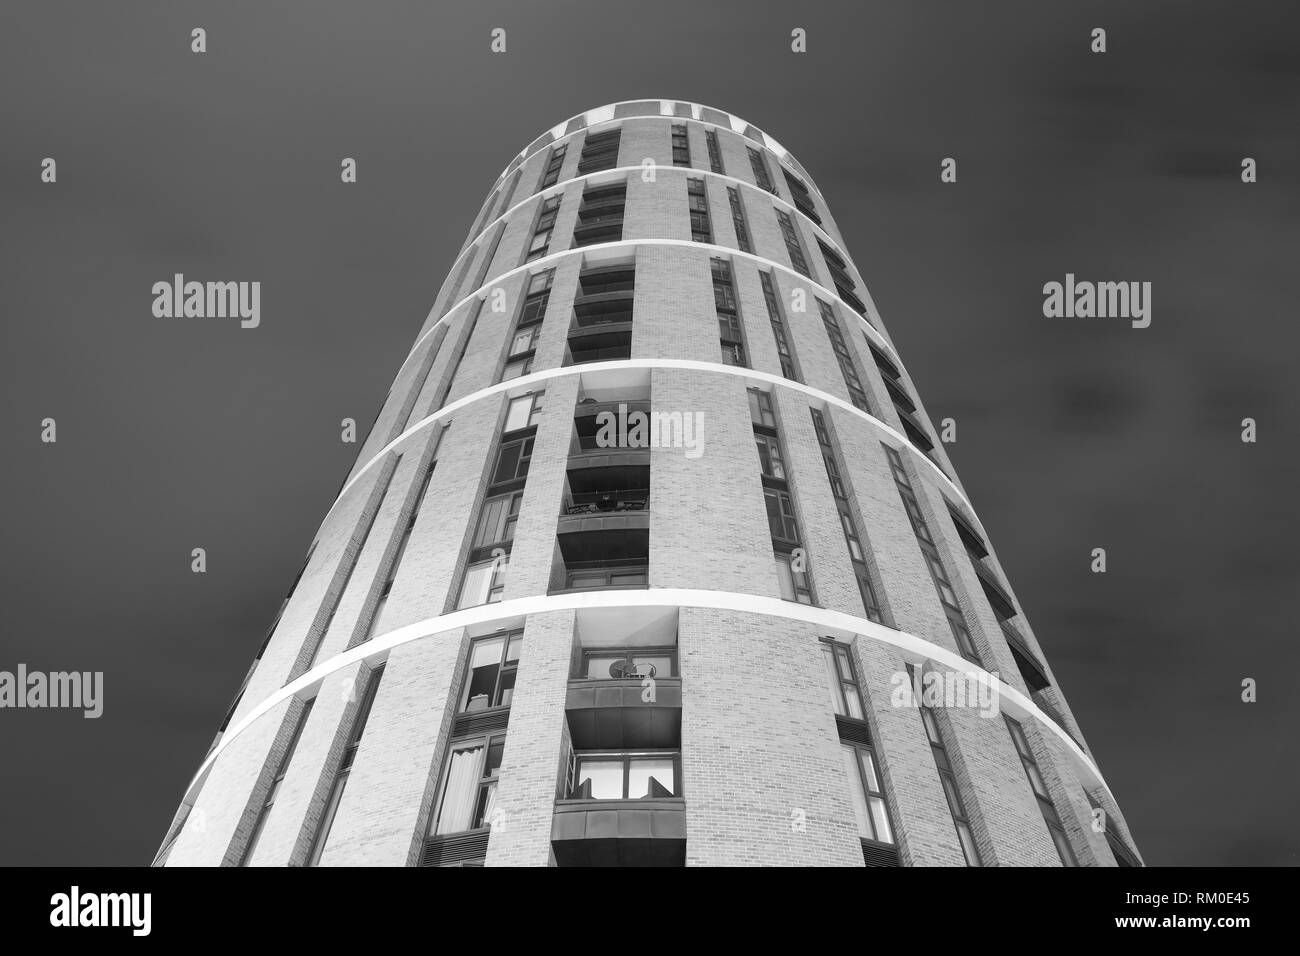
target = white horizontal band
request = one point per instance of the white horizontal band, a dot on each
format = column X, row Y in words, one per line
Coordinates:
column 516, row 385
column 913, row 648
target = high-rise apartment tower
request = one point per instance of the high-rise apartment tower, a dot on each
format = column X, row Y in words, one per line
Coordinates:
column 640, row 560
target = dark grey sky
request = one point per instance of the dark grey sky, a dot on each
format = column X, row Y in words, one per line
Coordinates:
column 1073, row 434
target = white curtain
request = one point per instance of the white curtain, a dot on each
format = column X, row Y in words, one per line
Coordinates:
column 461, row 791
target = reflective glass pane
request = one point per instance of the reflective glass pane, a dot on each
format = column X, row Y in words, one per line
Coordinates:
column 606, row 778
column 858, row 797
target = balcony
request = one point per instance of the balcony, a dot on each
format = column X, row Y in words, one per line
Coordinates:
column 608, row 502
column 619, row 832
column 615, row 714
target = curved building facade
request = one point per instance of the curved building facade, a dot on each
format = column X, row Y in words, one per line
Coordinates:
column 652, row 557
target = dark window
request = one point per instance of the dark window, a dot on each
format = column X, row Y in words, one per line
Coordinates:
column 803, row 200
column 599, row 151
column 947, row 596
column 512, row 461
column 857, row 394
column 846, row 693
column 844, row 285
column 1039, row 786
column 600, row 217
column 792, row 244
column 780, row 515
column 715, row 154
column 551, row 174
column 784, row 350
column 730, row 333
column 546, row 213
column 681, row 146
column 738, row 220
column 698, row 200
column 759, row 167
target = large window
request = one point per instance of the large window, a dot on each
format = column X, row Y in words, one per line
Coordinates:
column 795, row 583
column 846, row 694
column 792, row 244
column 868, row 797
column 541, row 240
column 730, row 334
column 1039, row 786
column 780, row 515
column 491, row 678
column 738, row 220
column 513, row 460
column 599, row 151
column 528, row 327
column 628, row 776
column 469, row 786
column 681, row 146
column 947, row 596
column 761, row 175
column 551, row 174
column 783, row 347
column 484, row 584
column 698, row 202
column 948, row 779
column 857, row 394
column 715, row 154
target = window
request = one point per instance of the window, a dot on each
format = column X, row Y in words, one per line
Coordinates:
column 523, row 345
column 629, row 663
column 600, row 217
column 345, row 766
column 759, row 166
column 947, row 596
column 792, row 244
column 780, row 515
column 541, row 241
column 681, row 146
column 857, row 394
column 868, row 799
column 551, row 174
column 469, row 787
column 769, row 456
column 803, row 200
column 715, row 154
column 846, row 694
column 844, row 285
column 730, row 334
column 761, row 411
column 784, row 349
column 599, row 151
column 524, row 412
column 1039, row 786
column 271, row 793
column 848, row 523
column 698, row 200
column 484, row 584
column 948, row 779
column 795, row 584
column 630, row 576
column 491, row 678
column 738, row 220
column 496, row 524
column 628, row 776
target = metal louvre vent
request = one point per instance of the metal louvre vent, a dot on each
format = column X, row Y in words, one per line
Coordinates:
column 879, row 854
column 486, row 722
column 455, row 848
column 853, row 731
